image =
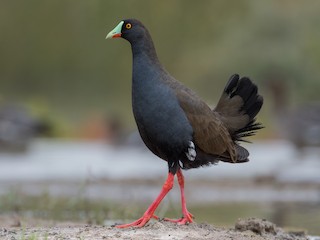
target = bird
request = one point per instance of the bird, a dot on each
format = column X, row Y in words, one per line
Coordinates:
column 18, row 128
column 301, row 124
column 179, row 127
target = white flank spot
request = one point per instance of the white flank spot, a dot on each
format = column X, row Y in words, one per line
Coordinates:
column 191, row 154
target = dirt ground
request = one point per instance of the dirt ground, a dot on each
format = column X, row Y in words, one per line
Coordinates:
column 251, row 229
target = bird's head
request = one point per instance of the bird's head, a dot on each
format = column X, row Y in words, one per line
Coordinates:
column 129, row 29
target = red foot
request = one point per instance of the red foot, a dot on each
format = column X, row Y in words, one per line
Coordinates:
column 187, row 218
column 138, row 223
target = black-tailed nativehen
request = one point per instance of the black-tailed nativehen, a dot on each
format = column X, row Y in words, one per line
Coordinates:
column 176, row 125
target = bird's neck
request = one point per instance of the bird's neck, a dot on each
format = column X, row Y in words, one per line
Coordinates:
column 146, row 65
column 144, row 49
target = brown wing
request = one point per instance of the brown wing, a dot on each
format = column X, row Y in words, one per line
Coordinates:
column 210, row 134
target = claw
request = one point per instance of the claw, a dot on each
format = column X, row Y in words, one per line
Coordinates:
column 187, row 218
column 138, row 223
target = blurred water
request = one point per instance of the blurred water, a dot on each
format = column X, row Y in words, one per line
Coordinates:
column 72, row 160
column 97, row 170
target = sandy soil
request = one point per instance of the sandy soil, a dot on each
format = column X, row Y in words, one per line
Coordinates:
column 251, row 229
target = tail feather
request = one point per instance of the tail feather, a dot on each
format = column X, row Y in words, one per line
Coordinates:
column 248, row 131
column 238, row 107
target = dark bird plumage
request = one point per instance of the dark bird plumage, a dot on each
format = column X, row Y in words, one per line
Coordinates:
column 301, row 124
column 175, row 124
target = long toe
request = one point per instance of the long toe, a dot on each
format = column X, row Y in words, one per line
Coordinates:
column 138, row 223
column 187, row 218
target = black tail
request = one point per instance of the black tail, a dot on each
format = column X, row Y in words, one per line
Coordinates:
column 238, row 107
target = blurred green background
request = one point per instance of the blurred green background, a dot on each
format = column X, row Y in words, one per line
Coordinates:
column 55, row 59
column 55, row 62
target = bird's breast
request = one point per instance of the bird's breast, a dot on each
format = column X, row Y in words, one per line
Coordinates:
column 161, row 121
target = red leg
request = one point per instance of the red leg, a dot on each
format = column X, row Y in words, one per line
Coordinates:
column 167, row 186
column 187, row 217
